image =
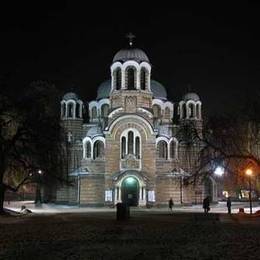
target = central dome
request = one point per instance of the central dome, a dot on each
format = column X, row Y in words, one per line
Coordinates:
column 137, row 55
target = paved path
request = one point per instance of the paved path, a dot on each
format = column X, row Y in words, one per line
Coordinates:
column 54, row 209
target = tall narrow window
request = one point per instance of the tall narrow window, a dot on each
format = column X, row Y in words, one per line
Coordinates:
column 78, row 110
column 118, row 77
column 184, row 111
column 123, row 147
column 156, row 111
column 88, row 149
column 173, row 150
column 98, row 149
column 198, row 111
column 137, row 147
column 63, row 110
column 130, row 142
column 70, row 109
column 143, row 79
column 192, row 110
column 104, row 110
column 94, row 112
column 167, row 113
column 162, row 150
column 130, row 78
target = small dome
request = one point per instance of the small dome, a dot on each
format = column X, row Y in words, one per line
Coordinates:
column 191, row 96
column 93, row 131
column 131, row 54
column 104, row 89
column 158, row 90
column 70, row 95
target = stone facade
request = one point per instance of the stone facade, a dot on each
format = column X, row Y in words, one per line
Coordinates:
column 130, row 150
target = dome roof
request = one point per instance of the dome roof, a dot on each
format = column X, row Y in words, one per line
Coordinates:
column 131, row 54
column 156, row 87
column 158, row 90
column 70, row 95
column 104, row 89
column 191, row 96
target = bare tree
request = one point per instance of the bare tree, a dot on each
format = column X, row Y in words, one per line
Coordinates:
column 31, row 138
column 231, row 142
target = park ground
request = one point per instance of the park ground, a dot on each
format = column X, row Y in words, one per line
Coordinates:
column 86, row 233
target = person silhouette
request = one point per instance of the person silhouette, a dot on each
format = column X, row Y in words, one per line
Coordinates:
column 170, row 204
column 229, row 205
column 206, row 205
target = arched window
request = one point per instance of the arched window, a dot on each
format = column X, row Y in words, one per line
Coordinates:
column 167, row 113
column 78, row 110
column 162, row 150
column 70, row 109
column 192, row 110
column 63, row 110
column 98, row 149
column 156, row 111
column 118, row 78
column 94, row 112
column 143, row 79
column 198, row 111
column 88, row 149
column 173, row 149
column 130, row 78
column 104, row 110
column 137, row 147
column 123, row 147
column 184, row 111
column 130, row 142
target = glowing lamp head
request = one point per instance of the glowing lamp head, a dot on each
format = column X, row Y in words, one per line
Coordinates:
column 40, row 171
column 219, row 171
column 249, row 172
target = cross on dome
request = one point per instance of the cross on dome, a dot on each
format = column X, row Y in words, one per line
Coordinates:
column 130, row 37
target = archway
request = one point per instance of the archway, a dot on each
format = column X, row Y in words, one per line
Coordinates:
column 130, row 191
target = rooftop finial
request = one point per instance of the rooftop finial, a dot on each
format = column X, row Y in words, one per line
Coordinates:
column 130, row 37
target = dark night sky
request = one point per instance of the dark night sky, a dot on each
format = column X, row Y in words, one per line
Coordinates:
column 73, row 45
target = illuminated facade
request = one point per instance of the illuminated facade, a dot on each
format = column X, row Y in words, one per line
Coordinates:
column 130, row 149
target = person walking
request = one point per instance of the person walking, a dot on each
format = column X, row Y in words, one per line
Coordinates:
column 229, row 205
column 170, row 204
column 206, row 205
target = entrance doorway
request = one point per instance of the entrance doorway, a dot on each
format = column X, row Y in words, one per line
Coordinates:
column 130, row 191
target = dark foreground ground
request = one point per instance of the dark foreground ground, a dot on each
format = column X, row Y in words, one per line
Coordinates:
column 144, row 236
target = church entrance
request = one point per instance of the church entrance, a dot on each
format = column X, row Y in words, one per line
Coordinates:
column 130, row 191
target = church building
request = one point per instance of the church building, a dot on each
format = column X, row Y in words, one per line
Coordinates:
column 130, row 149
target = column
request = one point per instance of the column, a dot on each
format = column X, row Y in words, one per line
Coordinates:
column 142, row 196
column 74, row 110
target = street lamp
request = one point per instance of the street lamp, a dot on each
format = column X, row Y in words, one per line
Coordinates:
column 249, row 173
column 219, row 171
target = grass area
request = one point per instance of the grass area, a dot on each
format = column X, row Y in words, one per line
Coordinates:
column 144, row 236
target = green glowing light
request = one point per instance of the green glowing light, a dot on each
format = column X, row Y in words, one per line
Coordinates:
column 130, row 180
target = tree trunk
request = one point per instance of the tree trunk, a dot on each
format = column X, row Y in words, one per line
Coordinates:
column 2, row 197
column 38, row 196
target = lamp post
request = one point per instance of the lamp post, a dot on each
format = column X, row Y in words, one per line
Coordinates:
column 219, row 172
column 249, row 173
column 38, row 198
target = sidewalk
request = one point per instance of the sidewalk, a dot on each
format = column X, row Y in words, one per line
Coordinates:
column 54, row 208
